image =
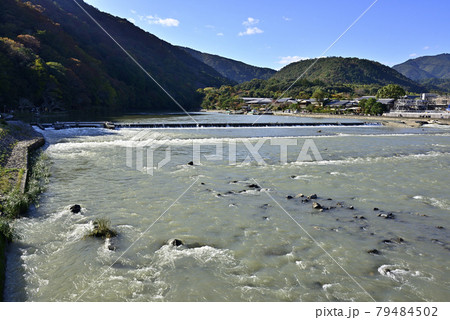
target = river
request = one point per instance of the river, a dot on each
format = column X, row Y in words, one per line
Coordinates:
column 247, row 234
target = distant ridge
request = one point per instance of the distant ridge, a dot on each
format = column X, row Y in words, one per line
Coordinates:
column 427, row 67
column 231, row 69
column 431, row 71
column 355, row 71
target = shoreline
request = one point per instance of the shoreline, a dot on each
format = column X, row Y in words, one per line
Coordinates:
column 18, row 141
column 385, row 121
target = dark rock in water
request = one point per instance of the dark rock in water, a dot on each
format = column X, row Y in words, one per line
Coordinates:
column 440, row 227
column 374, row 251
column 265, row 218
column 359, row 217
column 317, row 206
column 351, row 208
column 313, row 196
column 329, row 199
column 375, row 209
column 76, row 208
column 317, row 285
column 218, row 195
column 394, row 240
column 112, row 247
column 293, row 177
column 300, row 195
column 339, row 204
column 254, row 186
column 202, row 183
column 305, row 200
column 389, row 215
column 265, row 206
column 229, row 192
column 175, row 242
column 289, row 197
column 234, row 181
column 437, row 241
column 277, row 251
column 319, row 131
column 190, row 163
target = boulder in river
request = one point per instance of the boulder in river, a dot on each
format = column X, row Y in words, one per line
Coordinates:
column 317, row 206
column 389, row 215
column 300, row 195
column 313, row 196
column 175, row 242
column 374, row 251
column 76, row 208
column 190, row 163
column 254, row 186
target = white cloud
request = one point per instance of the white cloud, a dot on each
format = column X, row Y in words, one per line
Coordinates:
column 166, row 22
column 131, row 20
column 220, row 34
column 133, row 11
column 286, row 19
column 250, row 31
column 290, row 59
column 426, row 48
column 412, row 55
column 209, row 26
column 250, row 21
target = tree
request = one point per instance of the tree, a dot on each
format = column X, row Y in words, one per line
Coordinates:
column 393, row 91
column 319, row 95
column 371, row 106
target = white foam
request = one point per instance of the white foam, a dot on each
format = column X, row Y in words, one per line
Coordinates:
column 430, row 154
column 168, row 255
column 397, row 273
column 439, row 203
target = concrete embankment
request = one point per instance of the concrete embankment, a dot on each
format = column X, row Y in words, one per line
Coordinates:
column 18, row 140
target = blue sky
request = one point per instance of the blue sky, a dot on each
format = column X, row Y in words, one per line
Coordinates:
column 273, row 33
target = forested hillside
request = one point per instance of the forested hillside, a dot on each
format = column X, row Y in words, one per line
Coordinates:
column 53, row 57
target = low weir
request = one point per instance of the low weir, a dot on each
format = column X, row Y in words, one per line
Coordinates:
column 118, row 125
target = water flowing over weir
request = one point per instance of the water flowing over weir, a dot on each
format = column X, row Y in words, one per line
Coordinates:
column 239, row 245
column 110, row 125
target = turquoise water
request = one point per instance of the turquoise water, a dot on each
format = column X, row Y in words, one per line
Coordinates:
column 241, row 243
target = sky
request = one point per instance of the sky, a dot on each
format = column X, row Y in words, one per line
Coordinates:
column 274, row 33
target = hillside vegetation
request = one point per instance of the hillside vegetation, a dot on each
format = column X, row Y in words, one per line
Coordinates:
column 353, row 71
column 54, row 57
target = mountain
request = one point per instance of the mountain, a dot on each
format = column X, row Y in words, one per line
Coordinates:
column 427, row 67
column 354, row 71
column 53, row 56
column 231, row 69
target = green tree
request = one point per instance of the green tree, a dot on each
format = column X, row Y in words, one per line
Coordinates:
column 393, row 91
column 319, row 95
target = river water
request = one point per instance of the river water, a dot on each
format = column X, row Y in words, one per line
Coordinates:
column 241, row 242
